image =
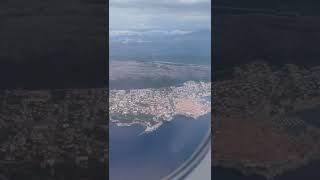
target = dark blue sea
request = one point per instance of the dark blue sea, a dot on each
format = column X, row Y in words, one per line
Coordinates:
column 154, row 155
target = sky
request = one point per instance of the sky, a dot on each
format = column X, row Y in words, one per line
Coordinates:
column 159, row 14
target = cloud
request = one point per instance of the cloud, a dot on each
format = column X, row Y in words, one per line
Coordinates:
column 156, row 14
column 193, row 1
column 136, row 3
column 117, row 33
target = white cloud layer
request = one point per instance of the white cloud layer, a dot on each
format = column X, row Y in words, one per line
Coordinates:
column 115, row 33
column 159, row 14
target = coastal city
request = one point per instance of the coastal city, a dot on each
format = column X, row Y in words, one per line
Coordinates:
column 151, row 107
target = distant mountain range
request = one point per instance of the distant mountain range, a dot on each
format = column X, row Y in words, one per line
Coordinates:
column 139, row 74
column 181, row 46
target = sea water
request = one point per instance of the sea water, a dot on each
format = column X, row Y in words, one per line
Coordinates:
column 156, row 154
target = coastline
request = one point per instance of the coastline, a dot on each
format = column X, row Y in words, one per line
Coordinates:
column 148, row 128
column 167, row 147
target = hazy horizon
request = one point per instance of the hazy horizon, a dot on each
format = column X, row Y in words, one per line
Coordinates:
column 174, row 31
column 160, row 15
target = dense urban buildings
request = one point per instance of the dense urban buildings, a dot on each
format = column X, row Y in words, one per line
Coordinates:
column 151, row 106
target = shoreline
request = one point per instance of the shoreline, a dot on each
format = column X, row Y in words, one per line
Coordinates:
column 151, row 128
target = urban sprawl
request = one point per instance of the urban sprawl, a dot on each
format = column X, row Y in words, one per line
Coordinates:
column 151, row 107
